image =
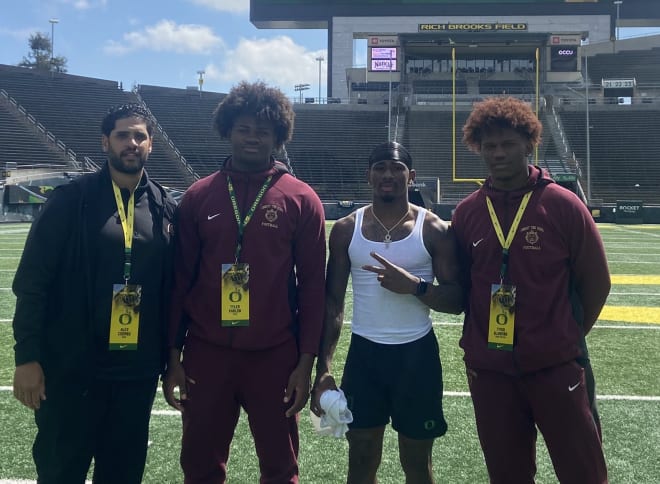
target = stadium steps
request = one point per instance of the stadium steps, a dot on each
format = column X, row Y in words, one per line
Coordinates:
column 624, row 145
column 428, row 136
column 22, row 145
column 642, row 65
column 331, row 145
column 332, row 142
column 72, row 107
column 186, row 115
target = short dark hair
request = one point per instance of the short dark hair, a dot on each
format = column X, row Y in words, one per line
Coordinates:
column 390, row 150
column 501, row 112
column 123, row 111
column 255, row 99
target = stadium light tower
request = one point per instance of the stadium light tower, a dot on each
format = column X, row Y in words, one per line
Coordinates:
column 320, row 60
column 52, row 21
column 201, row 78
column 618, row 4
column 389, row 101
column 586, row 100
column 300, row 88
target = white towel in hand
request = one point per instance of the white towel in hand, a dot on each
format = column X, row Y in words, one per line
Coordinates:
column 337, row 416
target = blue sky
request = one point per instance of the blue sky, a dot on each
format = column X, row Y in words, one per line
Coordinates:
column 165, row 43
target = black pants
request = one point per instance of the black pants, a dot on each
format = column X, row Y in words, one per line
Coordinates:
column 106, row 420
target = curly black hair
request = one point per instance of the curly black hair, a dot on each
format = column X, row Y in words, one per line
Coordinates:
column 127, row 111
column 257, row 99
column 501, row 112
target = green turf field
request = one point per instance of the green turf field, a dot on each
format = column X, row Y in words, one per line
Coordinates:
column 625, row 347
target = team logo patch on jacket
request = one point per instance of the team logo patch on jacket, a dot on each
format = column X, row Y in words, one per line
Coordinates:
column 271, row 214
column 532, row 237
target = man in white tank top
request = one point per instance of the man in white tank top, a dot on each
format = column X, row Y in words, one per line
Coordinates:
column 393, row 251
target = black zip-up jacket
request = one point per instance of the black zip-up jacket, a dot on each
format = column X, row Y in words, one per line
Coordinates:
column 54, row 284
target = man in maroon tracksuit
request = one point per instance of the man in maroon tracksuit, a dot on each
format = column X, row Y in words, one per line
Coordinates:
column 248, row 297
column 538, row 281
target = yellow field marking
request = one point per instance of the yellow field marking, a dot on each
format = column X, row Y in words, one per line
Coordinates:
column 639, row 280
column 636, row 227
column 631, row 314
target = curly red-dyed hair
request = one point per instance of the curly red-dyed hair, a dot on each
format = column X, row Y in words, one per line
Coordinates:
column 501, row 112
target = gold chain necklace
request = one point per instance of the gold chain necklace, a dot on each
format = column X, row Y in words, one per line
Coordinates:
column 388, row 238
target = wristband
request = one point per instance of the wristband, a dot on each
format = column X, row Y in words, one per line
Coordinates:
column 422, row 287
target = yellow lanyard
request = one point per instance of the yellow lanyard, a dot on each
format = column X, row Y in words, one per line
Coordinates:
column 248, row 217
column 512, row 231
column 127, row 223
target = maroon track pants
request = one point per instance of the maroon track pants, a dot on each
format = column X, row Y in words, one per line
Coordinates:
column 226, row 380
column 508, row 409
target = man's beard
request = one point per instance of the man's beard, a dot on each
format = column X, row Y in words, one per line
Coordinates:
column 130, row 169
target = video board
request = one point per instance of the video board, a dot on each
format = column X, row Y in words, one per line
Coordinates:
column 564, row 58
column 383, row 59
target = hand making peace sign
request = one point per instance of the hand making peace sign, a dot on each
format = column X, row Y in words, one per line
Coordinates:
column 393, row 277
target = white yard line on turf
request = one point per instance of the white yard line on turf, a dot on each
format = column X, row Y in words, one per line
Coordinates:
column 598, row 326
column 635, row 398
column 25, row 481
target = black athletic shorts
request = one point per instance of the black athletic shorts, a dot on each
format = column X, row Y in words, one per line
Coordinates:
column 402, row 381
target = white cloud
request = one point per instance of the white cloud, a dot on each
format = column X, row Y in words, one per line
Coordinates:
column 277, row 61
column 167, row 36
column 20, row 34
column 85, row 4
column 234, row 6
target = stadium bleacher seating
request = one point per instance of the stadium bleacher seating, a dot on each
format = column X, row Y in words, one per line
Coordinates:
column 331, row 145
column 71, row 107
column 19, row 146
column 373, row 86
column 439, row 86
column 186, row 116
column 428, row 135
column 329, row 149
column 510, row 86
column 331, row 142
column 641, row 65
column 624, row 145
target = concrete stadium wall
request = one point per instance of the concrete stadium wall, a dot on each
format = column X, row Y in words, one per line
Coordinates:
column 650, row 214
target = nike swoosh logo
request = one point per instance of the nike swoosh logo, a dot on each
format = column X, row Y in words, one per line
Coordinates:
column 474, row 244
column 211, row 217
column 121, row 347
column 573, row 387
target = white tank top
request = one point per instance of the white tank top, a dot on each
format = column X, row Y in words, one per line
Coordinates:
column 380, row 315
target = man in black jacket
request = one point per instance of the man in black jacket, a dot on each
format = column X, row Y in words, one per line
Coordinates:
column 89, row 321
